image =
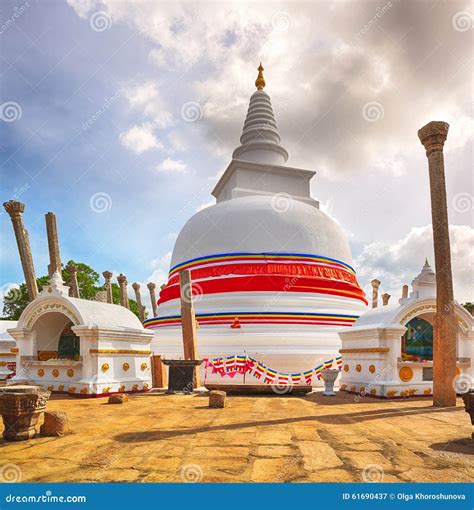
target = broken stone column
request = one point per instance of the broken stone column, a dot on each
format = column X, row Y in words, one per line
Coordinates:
column 73, row 283
column 433, row 136
column 385, row 298
column 108, row 285
column 405, row 292
column 375, row 292
column 138, row 299
column 53, row 244
column 122, row 281
column 151, row 287
column 15, row 210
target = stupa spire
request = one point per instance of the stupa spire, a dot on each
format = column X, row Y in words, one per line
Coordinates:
column 260, row 140
column 260, row 81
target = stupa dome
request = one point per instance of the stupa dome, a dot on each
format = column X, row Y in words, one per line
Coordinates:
column 271, row 274
column 261, row 224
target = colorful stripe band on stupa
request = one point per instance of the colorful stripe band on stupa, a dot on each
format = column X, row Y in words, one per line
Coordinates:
column 244, row 256
column 265, row 272
column 258, row 318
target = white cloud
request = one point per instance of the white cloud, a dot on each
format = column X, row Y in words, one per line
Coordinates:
column 321, row 68
column 397, row 263
column 160, row 269
column 140, row 139
column 157, row 56
column 177, row 141
column 147, row 98
column 172, row 165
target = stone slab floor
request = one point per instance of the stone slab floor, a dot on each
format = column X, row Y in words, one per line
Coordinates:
column 160, row 438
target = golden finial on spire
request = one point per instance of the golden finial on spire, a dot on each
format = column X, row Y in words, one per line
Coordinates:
column 260, row 81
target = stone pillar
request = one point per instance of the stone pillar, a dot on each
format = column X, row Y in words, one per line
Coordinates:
column 405, row 292
column 108, row 285
column 188, row 318
column 73, row 283
column 15, row 210
column 375, row 292
column 53, row 244
column 433, row 136
column 151, row 287
column 385, row 298
column 138, row 299
column 122, row 281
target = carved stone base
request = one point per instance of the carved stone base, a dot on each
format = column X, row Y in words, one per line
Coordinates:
column 21, row 408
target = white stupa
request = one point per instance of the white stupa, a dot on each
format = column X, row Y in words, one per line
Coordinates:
column 272, row 275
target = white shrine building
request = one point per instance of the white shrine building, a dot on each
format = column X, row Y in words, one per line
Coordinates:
column 272, row 274
column 80, row 347
column 388, row 352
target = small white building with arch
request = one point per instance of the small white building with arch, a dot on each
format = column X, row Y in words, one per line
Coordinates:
column 80, row 347
column 388, row 352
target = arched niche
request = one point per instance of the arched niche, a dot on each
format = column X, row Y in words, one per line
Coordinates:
column 55, row 338
column 417, row 342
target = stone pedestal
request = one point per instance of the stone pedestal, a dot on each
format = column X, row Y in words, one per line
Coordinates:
column 21, row 408
column 181, row 375
column 329, row 377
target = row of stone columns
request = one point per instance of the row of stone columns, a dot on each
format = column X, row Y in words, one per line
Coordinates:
column 15, row 211
column 124, row 301
column 375, row 294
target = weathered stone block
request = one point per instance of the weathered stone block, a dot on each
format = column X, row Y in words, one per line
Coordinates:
column 217, row 399
column 55, row 424
column 120, row 398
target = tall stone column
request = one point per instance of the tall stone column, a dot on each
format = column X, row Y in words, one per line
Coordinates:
column 15, row 210
column 53, row 244
column 73, row 283
column 138, row 299
column 108, row 285
column 188, row 317
column 122, row 281
column 433, row 136
column 151, row 287
column 375, row 292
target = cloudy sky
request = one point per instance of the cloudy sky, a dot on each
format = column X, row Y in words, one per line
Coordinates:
column 119, row 117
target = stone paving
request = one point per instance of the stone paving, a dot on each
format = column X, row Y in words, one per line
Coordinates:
column 160, row 438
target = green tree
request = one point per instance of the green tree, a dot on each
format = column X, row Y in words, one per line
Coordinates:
column 16, row 300
column 87, row 279
column 468, row 306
